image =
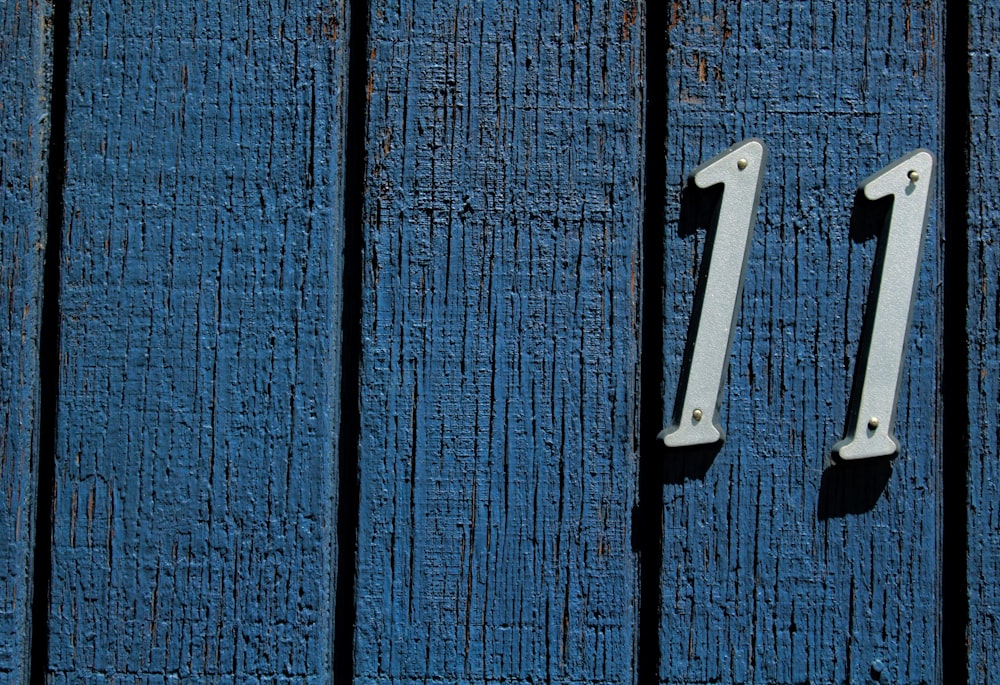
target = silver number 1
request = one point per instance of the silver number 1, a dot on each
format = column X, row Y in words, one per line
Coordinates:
column 740, row 169
column 879, row 365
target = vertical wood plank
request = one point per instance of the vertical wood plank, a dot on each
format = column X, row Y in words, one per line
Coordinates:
column 500, row 332
column 776, row 571
column 983, row 636
column 25, row 72
column 196, row 456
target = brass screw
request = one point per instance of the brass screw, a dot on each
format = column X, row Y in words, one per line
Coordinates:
column 742, row 164
column 696, row 414
column 914, row 176
column 873, row 423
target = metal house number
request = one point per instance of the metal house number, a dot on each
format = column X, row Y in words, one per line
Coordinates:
column 879, row 365
column 740, row 170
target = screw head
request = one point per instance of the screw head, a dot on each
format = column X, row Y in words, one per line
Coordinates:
column 873, row 423
column 696, row 415
column 914, row 175
column 742, row 164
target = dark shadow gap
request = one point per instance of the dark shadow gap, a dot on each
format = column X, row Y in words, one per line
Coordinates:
column 48, row 349
column 852, row 488
column 955, row 353
column 348, row 502
column 647, row 521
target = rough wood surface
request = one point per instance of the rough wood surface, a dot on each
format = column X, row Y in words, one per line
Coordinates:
column 25, row 63
column 774, row 570
column 497, row 455
column 196, row 456
column 984, row 346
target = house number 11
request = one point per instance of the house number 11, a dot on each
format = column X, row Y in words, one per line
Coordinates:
column 879, row 364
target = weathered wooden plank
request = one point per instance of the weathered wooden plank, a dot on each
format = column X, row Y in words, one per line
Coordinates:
column 498, row 388
column 196, row 449
column 983, row 636
column 25, row 73
column 776, row 571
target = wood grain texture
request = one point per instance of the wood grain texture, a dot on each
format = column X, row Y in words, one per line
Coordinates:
column 196, row 456
column 776, row 571
column 984, row 346
column 25, row 73
column 497, row 453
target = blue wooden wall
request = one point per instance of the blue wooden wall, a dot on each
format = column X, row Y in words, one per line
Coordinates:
column 24, row 134
column 497, row 448
column 468, row 222
column 983, row 512
column 200, row 314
